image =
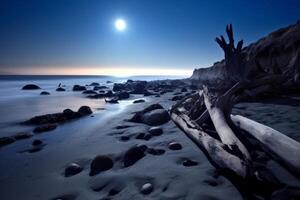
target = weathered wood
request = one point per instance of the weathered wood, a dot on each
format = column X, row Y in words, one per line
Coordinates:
column 215, row 149
column 284, row 147
column 224, row 131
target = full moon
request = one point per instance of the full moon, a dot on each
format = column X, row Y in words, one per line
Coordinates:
column 120, row 24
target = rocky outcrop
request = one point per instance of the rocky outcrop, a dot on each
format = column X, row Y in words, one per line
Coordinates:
column 277, row 53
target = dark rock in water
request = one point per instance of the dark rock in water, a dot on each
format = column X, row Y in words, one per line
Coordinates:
column 112, row 100
column 101, row 163
column 21, row 136
column 139, row 101
column 94, row 84
column 79, row 88
column 37, row 142
column 89, row 92
column 129, row 81
column 147, row 137
column 155, row 152
column 123, row 95
column 157, row 95
column 155, row 131
column 85, row 110
column 133, row 155
column 122, row 126
column 156, row 117
column 6, row 140
column 100, row 87
column 189, row 163
column 45, row 93
column 31, row 87
column 147, row 188
column 60, row 89
column 175, row 146
column 183, row 90
column 118, row 87
column 44, row 128
column 177, row 93
column 109, row 82
column 68, row 113
column 72, row 169
column 114, row 191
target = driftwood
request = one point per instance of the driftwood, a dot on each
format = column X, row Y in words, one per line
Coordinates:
column 206, row 119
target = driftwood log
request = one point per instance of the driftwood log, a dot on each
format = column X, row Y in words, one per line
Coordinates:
column 205, row 117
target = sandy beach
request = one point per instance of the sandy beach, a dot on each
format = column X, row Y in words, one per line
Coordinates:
column 173, row 173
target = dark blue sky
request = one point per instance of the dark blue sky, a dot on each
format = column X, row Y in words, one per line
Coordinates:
column 162, row 34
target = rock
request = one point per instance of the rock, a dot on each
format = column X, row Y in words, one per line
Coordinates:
column 109, row 82
column 155, row 131
column 133, row 155
column 175, row 146
column 36, row 142
column 89, row 92
column 124, row 138
column 118, row 87
column 85, row 110
column 68, row 113
column 60, row 89
column 189, row 163
column 139, row 101
column 147, row 188
column 21, row 136
column 6, row 140
column 79, row 88
column 31, row 87
column 156, row 117
column 183, row 90
column 157, row 95
column 123, row 95
column 100, row 87
column 101, row 163
column 151, row 115
column 72, row 169
column 45, row 93
column 44, row 128
column 155, row 152
column 94, row 84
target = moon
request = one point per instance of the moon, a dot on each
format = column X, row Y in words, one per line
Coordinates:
column 120, row 24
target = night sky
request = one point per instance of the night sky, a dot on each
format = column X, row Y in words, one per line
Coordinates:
column 162, row 36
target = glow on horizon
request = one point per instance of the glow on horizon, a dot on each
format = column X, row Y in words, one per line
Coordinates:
column 111, row 71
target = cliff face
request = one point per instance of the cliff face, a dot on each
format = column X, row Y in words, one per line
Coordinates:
column 278, row 52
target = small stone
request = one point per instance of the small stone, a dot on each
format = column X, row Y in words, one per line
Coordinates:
column 72, row 169
column 124, row 138
column 189, row 163
column 85, row 110
column 31, row 87
column 139, row 101
column 175, row 146
column 133, row 155
column 45, row 93
column 155, row 131
column 101, row 163
column 147, row 188
column 37, row 142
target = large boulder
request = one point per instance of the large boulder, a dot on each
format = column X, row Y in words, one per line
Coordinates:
column 44, row 93
column 123, row 95
column 31, row 87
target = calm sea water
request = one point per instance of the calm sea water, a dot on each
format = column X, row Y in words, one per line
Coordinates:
column 17, row 105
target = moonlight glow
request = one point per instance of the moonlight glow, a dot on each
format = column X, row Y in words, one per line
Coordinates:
column 120, row 24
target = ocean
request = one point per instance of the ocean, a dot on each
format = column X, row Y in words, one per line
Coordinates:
column 17, row 105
